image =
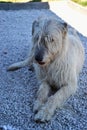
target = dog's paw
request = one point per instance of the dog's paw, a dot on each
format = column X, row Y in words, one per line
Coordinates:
column 37, row 106
column 43, row 115
column 46, row 111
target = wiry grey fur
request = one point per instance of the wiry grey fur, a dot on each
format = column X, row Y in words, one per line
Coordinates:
column 58, row 57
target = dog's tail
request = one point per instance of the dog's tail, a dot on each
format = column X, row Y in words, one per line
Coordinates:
column 19, row 65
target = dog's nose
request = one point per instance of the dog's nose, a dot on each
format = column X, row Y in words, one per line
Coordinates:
column 38, row 58
column 39, row 54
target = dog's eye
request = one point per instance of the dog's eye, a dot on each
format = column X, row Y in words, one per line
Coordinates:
column 52, row 39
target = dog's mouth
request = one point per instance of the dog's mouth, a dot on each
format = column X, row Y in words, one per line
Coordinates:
column 41, row 63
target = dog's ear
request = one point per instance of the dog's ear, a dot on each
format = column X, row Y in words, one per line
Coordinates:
column 65, row 25
column 34, row 25
column 65, row 28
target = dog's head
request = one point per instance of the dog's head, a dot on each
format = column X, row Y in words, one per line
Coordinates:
column 47, row 37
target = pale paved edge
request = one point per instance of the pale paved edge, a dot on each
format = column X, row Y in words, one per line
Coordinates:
column 71, row 16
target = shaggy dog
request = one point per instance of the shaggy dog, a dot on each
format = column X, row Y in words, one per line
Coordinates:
column 58, row 57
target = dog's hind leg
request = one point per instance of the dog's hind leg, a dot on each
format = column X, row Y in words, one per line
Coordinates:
column 20, row 64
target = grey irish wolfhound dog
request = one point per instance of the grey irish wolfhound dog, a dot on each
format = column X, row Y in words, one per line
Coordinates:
column 58, row 57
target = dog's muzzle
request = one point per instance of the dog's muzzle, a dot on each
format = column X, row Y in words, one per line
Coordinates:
column 39, row 55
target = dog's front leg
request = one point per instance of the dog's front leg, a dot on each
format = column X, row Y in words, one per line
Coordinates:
column 42, row 96
column 55, row 101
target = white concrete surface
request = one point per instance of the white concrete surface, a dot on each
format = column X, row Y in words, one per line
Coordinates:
column 76, row 19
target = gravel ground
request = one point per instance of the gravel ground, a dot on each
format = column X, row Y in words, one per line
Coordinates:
column 18, row 88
